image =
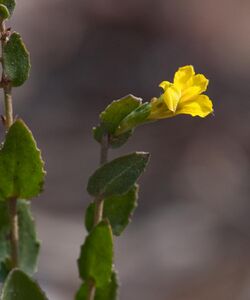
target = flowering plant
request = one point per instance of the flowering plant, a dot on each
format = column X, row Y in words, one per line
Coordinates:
column 113, row 185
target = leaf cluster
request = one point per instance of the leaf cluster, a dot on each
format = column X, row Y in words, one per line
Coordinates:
column 114, row 183
column 21, row 174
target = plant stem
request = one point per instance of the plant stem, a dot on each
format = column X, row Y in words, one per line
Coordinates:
column 12, row 202
column 91, row 291
column 8, row 106
column 99, row 202
column 14, row 235
column 104, row 150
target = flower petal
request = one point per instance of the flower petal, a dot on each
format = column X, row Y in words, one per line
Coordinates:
column 195, row 86
column 183, row 75
column 200, row 106
column 165, row 84
column 171, row 97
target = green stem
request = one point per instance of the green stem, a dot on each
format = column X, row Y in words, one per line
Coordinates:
column 8, row 121
column 99, row 201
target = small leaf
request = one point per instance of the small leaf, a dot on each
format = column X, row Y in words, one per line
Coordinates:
column 111, row 118
column 96, row 256
column 4, row 12
column 117, row 176
column 21, row 166
column 98, row 133
column 19, row 286
column 10, row 4
column 118, row 141
column 114, row 141
column 28, row 243
column 117, row 111
column 135, row 118
column 16, row 60
column 117, row 209
column 108, row 292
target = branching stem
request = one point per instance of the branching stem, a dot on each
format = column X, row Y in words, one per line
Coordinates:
column 8, row 121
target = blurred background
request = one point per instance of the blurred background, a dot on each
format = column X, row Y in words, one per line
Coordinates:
column 190, row 236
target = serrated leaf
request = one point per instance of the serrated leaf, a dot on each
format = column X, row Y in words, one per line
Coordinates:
column 19, row 286
column 16, row 60
column 96, row 258
column 117, row 176
column 117, row 209
column 117, row 111
column 10, row 4
column 135, row 118
column 108, row 292
column 28, row 243
column 21, row 166
column 4, row 12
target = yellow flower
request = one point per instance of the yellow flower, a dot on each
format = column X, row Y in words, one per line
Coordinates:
column 183, row 96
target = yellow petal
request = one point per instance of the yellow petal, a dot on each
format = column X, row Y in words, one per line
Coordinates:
column 201, row 82
column 171, row 97
column 200, row 106
column 195, row 86
column 183, row 75
column 165, row 84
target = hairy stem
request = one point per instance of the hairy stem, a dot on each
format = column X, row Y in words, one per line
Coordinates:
column 8, row 121
column 99, row 201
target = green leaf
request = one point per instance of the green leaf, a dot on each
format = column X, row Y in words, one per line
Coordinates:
column 117, row 176
column 112, row 117
column 98, row 133
column 107, row 292
column 19, row 286
column 4, row 12
column 118, row 141
column 135, row 118
column 10, row 4
column 16, row 60
column 117, row 209
column 4, row 270
column 28, row 243
column 4, row 241
column 21, row 166
column 114, row 141
column 96, row 258
column 117, row 111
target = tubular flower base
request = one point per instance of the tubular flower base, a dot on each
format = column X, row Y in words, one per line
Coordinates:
column 183, row 96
